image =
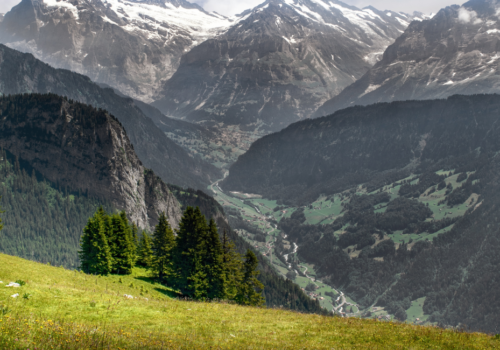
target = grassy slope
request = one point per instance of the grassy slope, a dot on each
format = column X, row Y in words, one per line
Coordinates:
column 60, row 315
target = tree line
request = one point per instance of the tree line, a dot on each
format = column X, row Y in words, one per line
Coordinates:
column 194, row 259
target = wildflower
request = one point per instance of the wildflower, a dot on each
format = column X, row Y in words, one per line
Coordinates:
column 15, row 295
column 128, row 296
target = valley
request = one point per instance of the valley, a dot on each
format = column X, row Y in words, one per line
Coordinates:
column 264, row 216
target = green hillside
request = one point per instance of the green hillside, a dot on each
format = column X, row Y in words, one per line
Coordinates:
column 62, row 309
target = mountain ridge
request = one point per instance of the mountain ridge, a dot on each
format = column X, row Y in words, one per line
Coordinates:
column 22, row 73
column 455, row 52
column 85, row 149
column 278, row 63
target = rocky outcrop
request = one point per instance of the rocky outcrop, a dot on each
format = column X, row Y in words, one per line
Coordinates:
column 455, row 52
column 79, row 147
column 22, row 73
column 132, row 46
column 279, row 63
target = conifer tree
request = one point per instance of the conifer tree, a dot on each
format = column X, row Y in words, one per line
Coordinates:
column 233, row 267
column 209, row 280
column 163, row 249
column 95, row 255
column 123, row 248
column 192, row 229
column 250, row 290
column 1, row 225
column 145, row 252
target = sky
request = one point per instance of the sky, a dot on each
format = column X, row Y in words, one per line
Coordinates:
column 231, row 7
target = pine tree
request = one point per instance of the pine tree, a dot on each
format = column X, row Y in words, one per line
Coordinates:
column 163, row 249
column 1, row 212
column 95, row 255
column 209, row 280
column 233, row 267
column 192, row 229
column 250, row 290
column 123, row 248
column 145, row 252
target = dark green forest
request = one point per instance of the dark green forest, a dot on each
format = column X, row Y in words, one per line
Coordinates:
column 42, row 222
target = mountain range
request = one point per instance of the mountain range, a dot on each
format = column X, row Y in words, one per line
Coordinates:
column 279, row 63
column 455, row 52
column 262, row 69
column 130, row 45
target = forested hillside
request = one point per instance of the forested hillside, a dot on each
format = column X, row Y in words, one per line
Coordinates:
column 372, row 145
column 413, row 189
column 42, row 222
column 83, row 148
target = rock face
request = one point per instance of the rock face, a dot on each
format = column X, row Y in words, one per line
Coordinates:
column 132, row 46
column 85, row 149
column 279, row 63
column 455, row 52
column 22, row 73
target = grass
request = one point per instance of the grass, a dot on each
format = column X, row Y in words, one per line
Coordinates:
column 71, row 310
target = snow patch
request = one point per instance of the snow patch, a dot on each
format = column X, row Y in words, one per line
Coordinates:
column 63, row 4
column 369, row 89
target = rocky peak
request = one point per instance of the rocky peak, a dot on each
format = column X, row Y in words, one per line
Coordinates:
column 278, row 63
column 454, row 52
column 132, row 46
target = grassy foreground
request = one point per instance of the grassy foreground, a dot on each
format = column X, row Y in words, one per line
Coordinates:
column 70, row 310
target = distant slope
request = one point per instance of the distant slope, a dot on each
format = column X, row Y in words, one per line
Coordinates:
column 278, row 63
column 86, row 150
column 420, row 173
column 455, row 52
column 22, row 73
column 363, row 144
column 133, row 46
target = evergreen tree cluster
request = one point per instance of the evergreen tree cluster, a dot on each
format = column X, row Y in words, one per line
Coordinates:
column 41, row 220
column 108, row 244
column 194, row 259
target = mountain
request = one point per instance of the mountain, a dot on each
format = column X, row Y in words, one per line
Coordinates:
column 455, row 52
column 278, row 63
column 22, row 73
column 131, row 45
column 84, row 149
column 362, row 145
column 413, row 187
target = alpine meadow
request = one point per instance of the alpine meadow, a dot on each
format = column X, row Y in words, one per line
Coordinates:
column 306, row 174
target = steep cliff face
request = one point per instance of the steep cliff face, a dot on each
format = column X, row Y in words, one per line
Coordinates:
column 279, row 63
column 455, row 52
column 22, row 73
column 130, row 45
column 85, row 149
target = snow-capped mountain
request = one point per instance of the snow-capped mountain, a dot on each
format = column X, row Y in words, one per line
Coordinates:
column 279, row 62
column 132, row 45
column 455, row 52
